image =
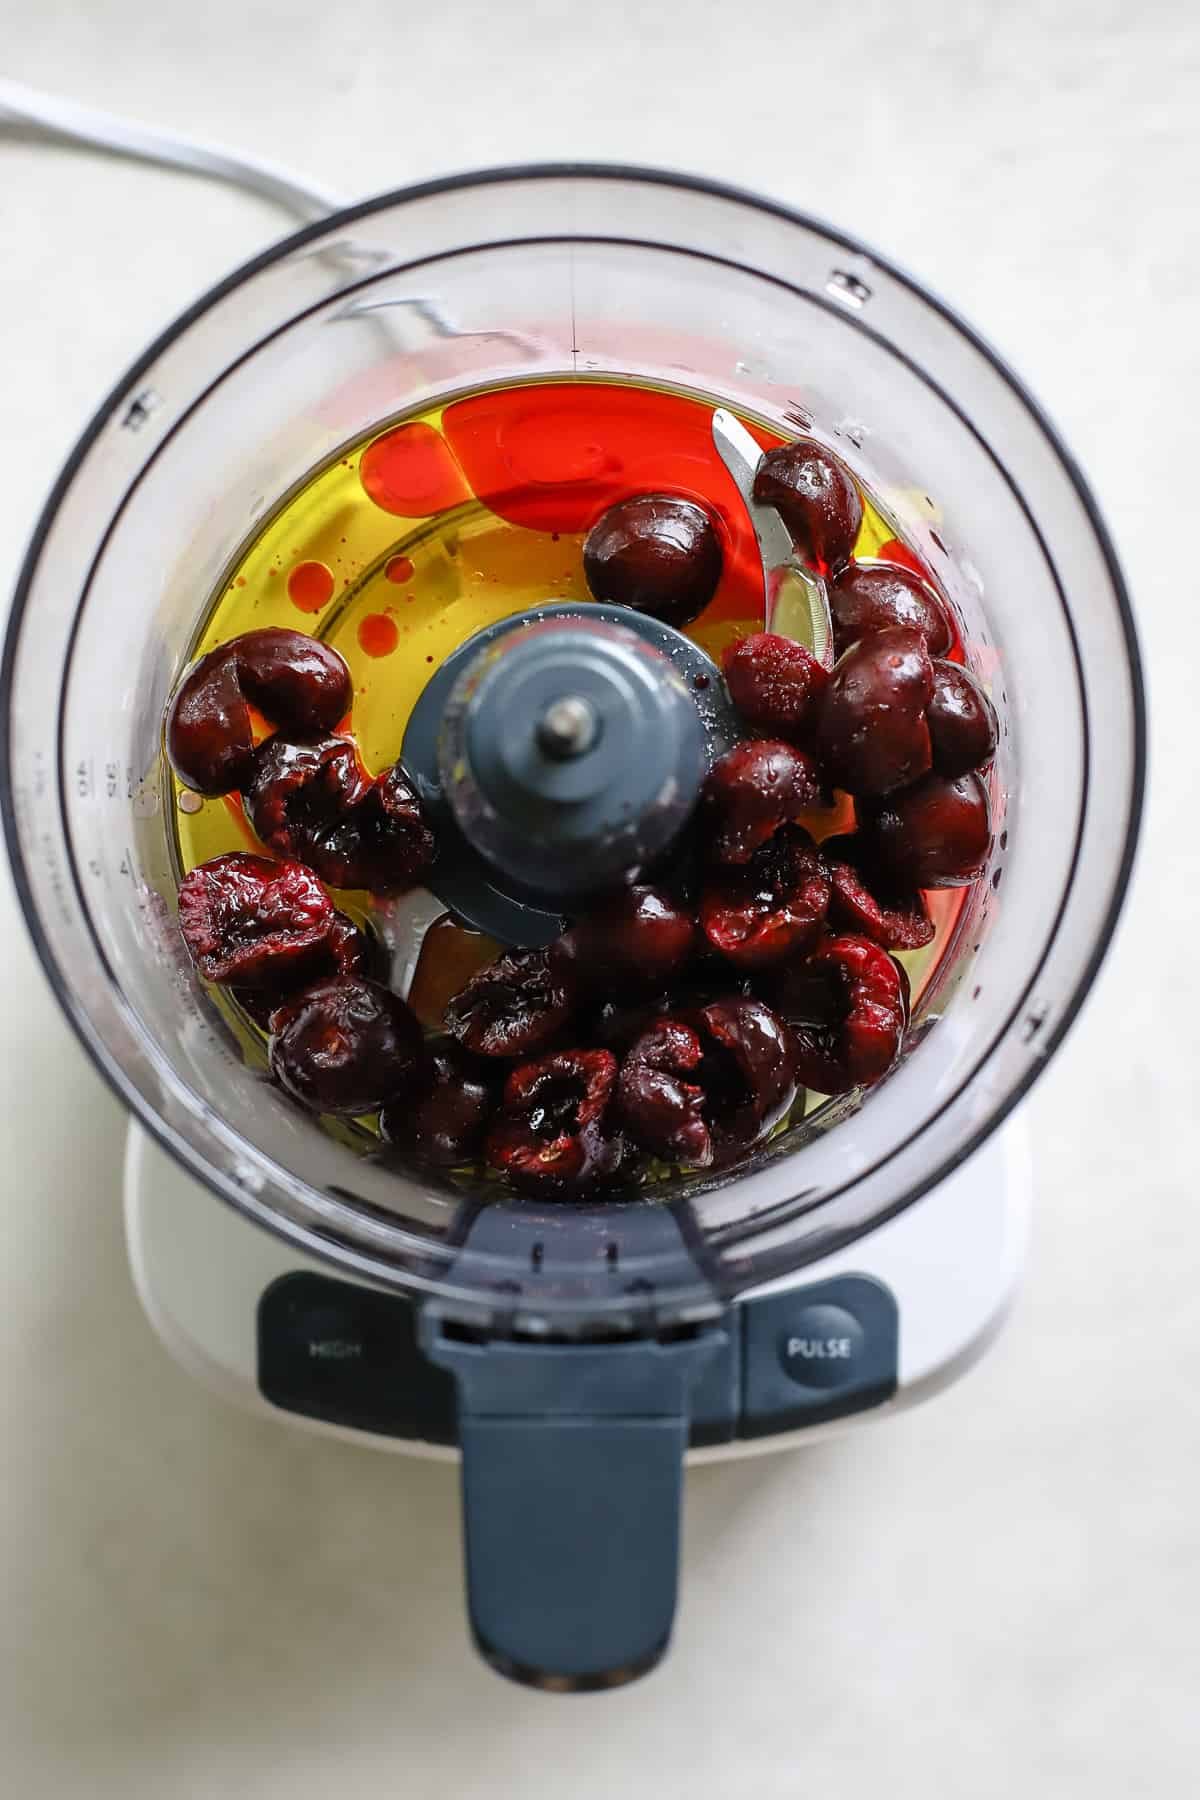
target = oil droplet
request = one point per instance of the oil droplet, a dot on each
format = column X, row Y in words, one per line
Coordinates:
column 411, row 472
column 189, row 802
column 241, row 581
column 378, row 635
column 310, row 586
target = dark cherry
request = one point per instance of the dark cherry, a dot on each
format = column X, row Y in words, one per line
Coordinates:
column 641, row 935
column 776, row 684
column 657, row 553
column 346, row 951
column 617, row 1023
column 552, row 1136
column 816, row 497
column 251, row 922
column 312, row 801
column 747, row 1072
column 515, row 1006
column 622, row 1018
column 295, row 789
column 936, row 834
column 354, row 951
column 658, row 1107
column 962, row 722
column 346, row 1046
column 753, row 790
column 873, row 736
column 771, row 907
column 848, row 1010
column 445, row 1123
column 870, row 596
column 861, row 904
column 382, row 842
column 300, row 685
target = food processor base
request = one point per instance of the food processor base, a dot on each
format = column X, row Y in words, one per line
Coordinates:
column 252, row 1318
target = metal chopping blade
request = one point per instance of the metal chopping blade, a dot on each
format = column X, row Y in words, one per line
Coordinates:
column 797, row 602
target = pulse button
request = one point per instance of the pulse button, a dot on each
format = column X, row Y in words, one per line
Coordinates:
column 822, row 1347
column 816, row 1353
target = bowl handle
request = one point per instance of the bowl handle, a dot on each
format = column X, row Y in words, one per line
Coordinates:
column 572, row 1473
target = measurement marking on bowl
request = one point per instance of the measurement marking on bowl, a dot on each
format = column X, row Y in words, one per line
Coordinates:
column 847, row 288
column 1034, row 1019
column 140, row 409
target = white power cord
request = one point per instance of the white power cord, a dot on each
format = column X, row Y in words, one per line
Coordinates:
column 96, row 130
column 20, row 105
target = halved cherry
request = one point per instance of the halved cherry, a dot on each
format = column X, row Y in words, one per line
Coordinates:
column 443, row 1123
column 873, row 736
column 552, row 1136
column 659, row 1108
column 872, row 596
column 641, row 935
column 776, row 684
column 300, row 685
column 515, row 1006
column 312, row 801
column 294, row 790
column 251, row 922
column 382, row 842
column 847, row 1006
column 348, row 950
column 656, row 553
column 755, row 788
column 935, row 834
column 861, row 904
column 770, row 908
column 347, row 1046
column 963, row 729
column 816, row 497
column 748, row 1072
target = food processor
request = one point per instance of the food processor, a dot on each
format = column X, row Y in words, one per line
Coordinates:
column 573, row 1355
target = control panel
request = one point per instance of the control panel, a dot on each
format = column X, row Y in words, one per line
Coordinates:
column 349, row 1355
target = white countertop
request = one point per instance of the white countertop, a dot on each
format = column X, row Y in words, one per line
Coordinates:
column 997, row 1595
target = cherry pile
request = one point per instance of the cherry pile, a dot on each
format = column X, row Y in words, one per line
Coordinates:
column 678, row 1020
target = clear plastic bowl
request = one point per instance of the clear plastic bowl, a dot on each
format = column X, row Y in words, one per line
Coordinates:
column 554, row 271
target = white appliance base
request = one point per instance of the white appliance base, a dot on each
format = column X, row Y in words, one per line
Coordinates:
column 953, row 1262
